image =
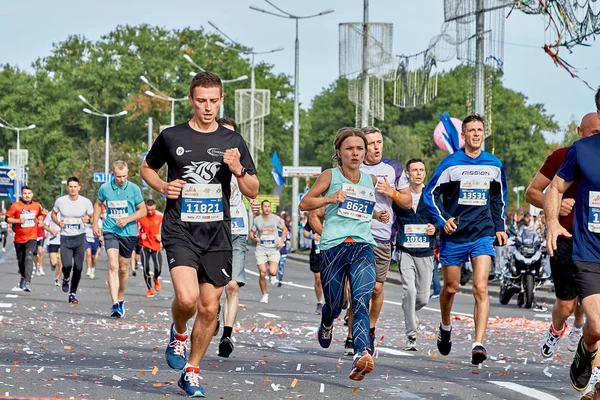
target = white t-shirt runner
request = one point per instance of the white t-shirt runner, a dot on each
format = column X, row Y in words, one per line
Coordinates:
column 53, row 240
column 239, row 214
column 71, row 213
column 393, row 171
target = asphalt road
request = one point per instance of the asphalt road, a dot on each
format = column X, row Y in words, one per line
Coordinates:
column 49, row 348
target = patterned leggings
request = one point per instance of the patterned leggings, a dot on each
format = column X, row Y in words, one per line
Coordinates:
column 356, row 261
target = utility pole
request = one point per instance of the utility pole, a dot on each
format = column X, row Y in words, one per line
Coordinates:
column 479, row 61
column 365, row 67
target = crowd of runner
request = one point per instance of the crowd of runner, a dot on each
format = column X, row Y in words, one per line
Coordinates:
column 359, row 213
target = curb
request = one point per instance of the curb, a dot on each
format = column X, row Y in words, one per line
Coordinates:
column 542, row 295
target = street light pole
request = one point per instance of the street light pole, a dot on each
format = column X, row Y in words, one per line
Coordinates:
column 98, row 113
column 296, row 132
column 517, row 190
column 6, row 125
column 162, row 96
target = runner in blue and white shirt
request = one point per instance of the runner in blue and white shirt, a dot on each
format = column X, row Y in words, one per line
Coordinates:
column 467, row 195
column 392, row 187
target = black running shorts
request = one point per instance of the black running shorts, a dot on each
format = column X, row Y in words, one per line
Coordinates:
column 587, row 277
column 315, row 261
column 214, row 267
column 563, row 270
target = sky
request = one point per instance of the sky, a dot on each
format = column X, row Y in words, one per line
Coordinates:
column 29, row 28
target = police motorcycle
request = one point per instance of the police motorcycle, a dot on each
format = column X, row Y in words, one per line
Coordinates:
column 524, row 270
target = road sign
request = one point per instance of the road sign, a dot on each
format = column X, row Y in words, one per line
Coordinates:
column 301, row 171
column 7, row 183
column 100, row 177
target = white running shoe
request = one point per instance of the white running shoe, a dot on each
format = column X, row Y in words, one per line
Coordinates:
column 41, row 271
column 273, row 280
column 549, row 343
column 37, row 271
column 588, row 394
column 574, row 336
column 92, row 273
column 265, row 298
column 88, row 271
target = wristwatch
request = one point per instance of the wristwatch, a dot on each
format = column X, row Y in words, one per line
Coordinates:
column 241, row 174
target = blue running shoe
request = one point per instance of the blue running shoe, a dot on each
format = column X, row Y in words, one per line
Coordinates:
column 325, row 335
column 115, row 312
column 176, row 350
column 190, row 382
column 65, row 285
column 27, row 287
column 122, row 308
column 22, row 284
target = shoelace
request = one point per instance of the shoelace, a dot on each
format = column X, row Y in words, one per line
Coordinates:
column 193, row 378
column 551, row 339
column 327, row 333
column 179, row 347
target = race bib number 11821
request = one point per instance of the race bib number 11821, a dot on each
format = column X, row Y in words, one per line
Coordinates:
column 201, row 203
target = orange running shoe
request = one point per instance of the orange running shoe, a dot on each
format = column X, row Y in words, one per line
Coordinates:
column 149, row 293
column 157, row 285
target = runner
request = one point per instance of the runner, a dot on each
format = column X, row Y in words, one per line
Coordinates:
column 283, row 253
column 3, row 229
column 124, row 206
column 92, row 247
column 38, row 254
column 561, row 265
column 315, row 217
column 74, row 211
column 23, row 215
column 472, row 184
column 348, row 196
column 264, row 233
column 53, row 247
column 416, row 238
column 201, row 157
column 392, row 187
column 150, row 242
column 239, row 238
column 580, row 165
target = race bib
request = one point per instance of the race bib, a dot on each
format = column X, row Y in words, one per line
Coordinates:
column 29, row 219
column 415, row 236
column 267, row 240
column 359, row 203
column 238, row 222
column 201, row 202
column 594, row 212
column 4, row 225
column 117, row 209
column 474, row 192
column 72, row 225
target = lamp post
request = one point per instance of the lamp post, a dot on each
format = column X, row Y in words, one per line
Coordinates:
column 162, row 96
column 296, row 134
column 8, row 126
column 518, row 190
column 62, row 187
column 223, row 81
column 98, row 113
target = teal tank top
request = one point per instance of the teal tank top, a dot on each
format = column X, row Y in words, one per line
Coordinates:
column 339, row 227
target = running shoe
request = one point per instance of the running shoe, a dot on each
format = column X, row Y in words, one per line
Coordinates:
column 65, row 285
column 176, row 349
column 56, row 282
column 265, row 298
column 73, row 299
column 122, row 308
column 349, row 347
column 478, row 355
column 411, row 344
column 273, row 280
column 319, row 309
column 133, row 272
column 435, row 296
column 157, row 285
column 325, row 335
column 581, row 367
column 41, row 271
column 549, row 342
column 216, row 332
column 362, row 365
column 190, row 382
column 27, row 287
column 115, row 312
column 444, row 344
column 225, row 347
column 93, row 273
column 593, row 386
column 22, row 283
column 573, row 338
column 4, row 249
column 149, row 293
column 87, row 272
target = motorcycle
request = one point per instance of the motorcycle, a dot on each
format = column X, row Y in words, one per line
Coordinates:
column 523, row 272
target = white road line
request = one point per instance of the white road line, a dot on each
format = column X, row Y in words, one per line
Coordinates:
column 393, row 351
column 533, row 393
column 268, row 315
column 6, row 305
column 292, row 284
column 543, row 315
column 12, row 296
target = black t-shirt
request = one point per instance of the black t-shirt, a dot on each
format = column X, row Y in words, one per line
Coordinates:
column 309, row 228
column 197, row 158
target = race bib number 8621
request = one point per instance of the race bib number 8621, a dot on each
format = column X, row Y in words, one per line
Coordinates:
column 359, row 203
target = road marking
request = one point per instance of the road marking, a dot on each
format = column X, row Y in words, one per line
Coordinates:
column 12, row 296
column 393, row 352
column 292, row 284
column 543, row 315
column 533, row 393
column 268, row 315
column 6, row 305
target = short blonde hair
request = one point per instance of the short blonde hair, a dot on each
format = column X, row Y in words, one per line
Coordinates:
column 120, row 165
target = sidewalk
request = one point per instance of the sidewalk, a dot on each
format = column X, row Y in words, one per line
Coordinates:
column 543, row 295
